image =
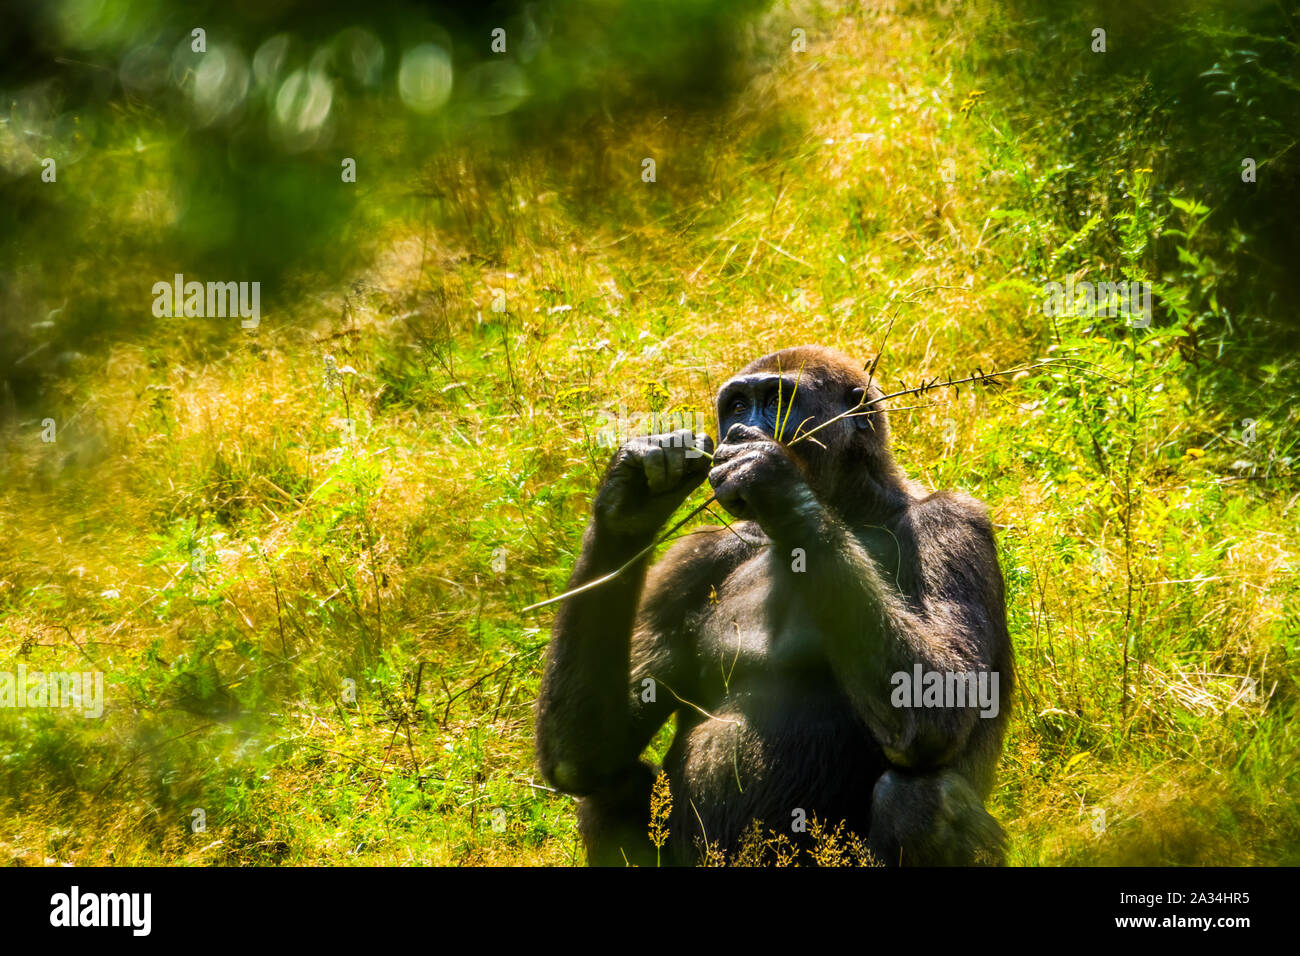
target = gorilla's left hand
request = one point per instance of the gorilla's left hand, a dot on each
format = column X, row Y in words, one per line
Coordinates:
column 755, row 477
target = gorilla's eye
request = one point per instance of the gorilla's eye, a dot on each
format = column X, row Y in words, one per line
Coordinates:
column 737, row 406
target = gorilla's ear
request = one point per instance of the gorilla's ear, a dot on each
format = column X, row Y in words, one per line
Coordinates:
column 856, row 399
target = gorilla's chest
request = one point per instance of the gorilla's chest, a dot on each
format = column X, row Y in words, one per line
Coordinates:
column 754, row 630
column 773, row 746
column 772, row 732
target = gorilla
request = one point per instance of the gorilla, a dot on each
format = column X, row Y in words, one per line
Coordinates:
column 817, row 651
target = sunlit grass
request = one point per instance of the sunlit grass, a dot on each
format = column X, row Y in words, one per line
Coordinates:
column 392, row 558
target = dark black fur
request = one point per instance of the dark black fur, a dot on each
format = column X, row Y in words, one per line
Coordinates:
column 780, row 680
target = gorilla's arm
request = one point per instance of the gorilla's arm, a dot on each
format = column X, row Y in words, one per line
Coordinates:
column 600, row 762
column 948, row 618
column 584, row 709
column 940, row 605
column 594, row 716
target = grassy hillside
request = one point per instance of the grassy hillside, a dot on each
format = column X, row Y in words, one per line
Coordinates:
column 311, row 632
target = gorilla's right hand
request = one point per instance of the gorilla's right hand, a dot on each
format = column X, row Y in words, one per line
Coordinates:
column 648, row 478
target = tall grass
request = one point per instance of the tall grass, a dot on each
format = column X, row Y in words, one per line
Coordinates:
column 311, row 631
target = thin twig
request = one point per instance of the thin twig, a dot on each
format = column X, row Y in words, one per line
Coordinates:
column 857, row 410
column 596, row 582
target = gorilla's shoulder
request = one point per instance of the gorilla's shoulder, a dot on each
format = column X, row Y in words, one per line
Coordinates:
column 950, row 505
column 950, row 521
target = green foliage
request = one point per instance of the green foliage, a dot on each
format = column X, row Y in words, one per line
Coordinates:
column 311, row 631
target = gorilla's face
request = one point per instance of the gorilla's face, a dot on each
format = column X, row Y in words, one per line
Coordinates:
column 784, row 406
column 786, row 395
column 768, row 402
column 781, row 406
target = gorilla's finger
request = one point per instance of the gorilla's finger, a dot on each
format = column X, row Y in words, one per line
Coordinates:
column 720, row 475
column 730, row 496
column 699, row 454
column 738, row 457
column 727, row 452
column 675, row 462
column 674, row 440
column 655, row 462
